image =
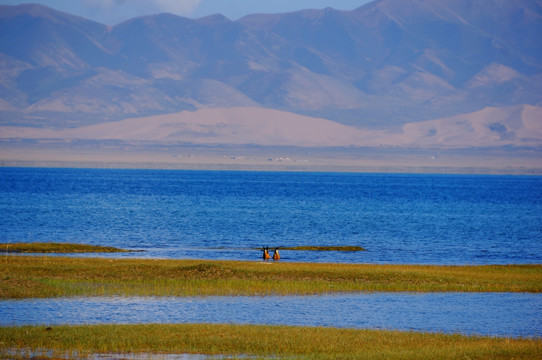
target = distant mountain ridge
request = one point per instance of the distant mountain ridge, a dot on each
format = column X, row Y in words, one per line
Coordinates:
column 383, row 65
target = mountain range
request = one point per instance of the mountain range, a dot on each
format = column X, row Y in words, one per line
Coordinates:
column 455, row 73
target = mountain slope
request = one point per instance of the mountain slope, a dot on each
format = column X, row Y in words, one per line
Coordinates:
column 376, row 68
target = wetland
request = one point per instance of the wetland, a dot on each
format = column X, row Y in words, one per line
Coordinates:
column 427, row 249
column 55, row 276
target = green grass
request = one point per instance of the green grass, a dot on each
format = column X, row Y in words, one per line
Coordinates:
column 284, row 342
column 323, row 248
column 42, row 276
column 61, row 248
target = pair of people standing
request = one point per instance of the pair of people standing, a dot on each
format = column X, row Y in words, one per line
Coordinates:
column 266, row 255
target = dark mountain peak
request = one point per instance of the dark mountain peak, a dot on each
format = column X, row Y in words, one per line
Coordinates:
column 162, row 20
column 215, row 19
column 45, row 13
column 400, row 12
column 461, row 10
column 42, row 36
column 34, row 10
column 270, row 21
column 260, row 21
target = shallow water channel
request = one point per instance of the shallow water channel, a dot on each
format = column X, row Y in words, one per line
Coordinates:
column 494, row 314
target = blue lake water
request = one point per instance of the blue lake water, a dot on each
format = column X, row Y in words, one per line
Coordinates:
column 508, row 314
column 398, row 218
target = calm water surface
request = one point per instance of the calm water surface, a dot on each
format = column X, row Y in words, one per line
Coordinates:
column 398, row 218
column 510, row 314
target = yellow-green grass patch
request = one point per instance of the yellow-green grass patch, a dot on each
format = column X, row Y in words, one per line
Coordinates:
column 43, row 276
column 61, row 248
column 322, row 248
column 285, row 342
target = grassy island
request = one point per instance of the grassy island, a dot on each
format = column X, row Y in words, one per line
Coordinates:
column 262, row 342
column 323, row 248
column 60, row 248
column 42, row 276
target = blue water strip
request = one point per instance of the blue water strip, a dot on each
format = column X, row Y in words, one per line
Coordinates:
column 493, row 314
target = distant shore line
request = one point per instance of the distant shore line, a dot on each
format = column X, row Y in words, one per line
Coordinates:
column 390, row 169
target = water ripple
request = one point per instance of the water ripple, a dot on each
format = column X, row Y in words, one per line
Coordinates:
column 494, row 314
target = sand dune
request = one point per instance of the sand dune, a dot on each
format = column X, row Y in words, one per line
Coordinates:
column 241, row 125
column 517, row 125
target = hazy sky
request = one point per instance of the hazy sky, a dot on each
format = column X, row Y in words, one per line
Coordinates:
column 112, row 12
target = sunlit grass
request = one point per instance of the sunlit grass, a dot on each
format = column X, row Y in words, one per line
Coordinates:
column 262, row 341
column 63, row 248
column 323, row 248
column 42, row 276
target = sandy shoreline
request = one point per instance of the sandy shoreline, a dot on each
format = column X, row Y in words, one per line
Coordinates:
column 377, row 160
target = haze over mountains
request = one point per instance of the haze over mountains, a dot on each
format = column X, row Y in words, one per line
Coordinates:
column 455, row 73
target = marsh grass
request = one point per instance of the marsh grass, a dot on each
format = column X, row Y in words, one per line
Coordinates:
column 43, row 276
column 61, row 248
column 262, row 341
column 323, row 248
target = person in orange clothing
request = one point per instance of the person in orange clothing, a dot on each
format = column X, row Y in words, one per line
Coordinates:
column 266, row 255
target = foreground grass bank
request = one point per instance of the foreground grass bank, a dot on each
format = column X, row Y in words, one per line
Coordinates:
column 264, row 342
column 42, row 276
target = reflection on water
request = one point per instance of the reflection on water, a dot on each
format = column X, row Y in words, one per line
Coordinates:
column 35, row 354
column 496, row 314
